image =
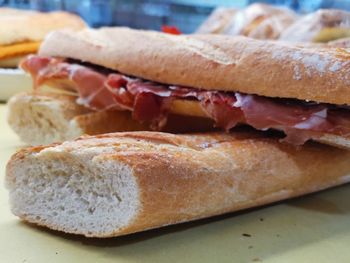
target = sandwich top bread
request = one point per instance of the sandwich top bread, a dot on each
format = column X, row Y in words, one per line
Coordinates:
column 23, row 31
column 210, row 62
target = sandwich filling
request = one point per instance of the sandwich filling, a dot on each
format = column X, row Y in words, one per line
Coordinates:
column 100, row 89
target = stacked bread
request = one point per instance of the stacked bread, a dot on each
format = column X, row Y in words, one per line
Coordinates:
column 274, row 106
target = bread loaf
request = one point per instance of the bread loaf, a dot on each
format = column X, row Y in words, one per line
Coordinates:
column 120, row 183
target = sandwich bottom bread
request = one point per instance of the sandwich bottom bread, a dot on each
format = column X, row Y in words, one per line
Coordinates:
column 51, row 117
column 120, row 183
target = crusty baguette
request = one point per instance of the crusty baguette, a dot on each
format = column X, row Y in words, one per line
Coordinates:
column 48, row 117
column 214, row 62
column 115, row 184
column 23, row 26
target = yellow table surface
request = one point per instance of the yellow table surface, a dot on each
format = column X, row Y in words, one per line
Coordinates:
column 315, row 228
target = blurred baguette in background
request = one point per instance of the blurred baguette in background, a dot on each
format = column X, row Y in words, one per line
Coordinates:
column 321, row 26
column 262, row 21
column 259, row 21
column 218, row 21
column 23, row 31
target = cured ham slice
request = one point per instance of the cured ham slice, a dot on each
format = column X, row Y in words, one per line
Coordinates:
column 100, row 89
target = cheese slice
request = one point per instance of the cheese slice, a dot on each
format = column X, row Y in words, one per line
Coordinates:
column 183, row 107
column 18, row 49
column 187, row 108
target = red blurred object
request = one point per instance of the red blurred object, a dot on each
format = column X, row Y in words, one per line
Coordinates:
column 171, row 30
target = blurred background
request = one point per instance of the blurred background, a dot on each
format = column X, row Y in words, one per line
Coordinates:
column 152, row 14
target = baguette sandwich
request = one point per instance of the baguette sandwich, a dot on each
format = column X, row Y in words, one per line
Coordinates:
column 221, row 80
column 116, row 184
column 22, row 31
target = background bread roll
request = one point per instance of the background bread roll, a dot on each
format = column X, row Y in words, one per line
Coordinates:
column 321, row 26
column 218, row 21
column 261, row 21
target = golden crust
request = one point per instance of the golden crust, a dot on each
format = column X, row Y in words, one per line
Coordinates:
column 213, row 62
column 187, row 177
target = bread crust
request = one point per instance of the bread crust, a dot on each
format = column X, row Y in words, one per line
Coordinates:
column 212, row 62
column 26, row 26
column 186, row 177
